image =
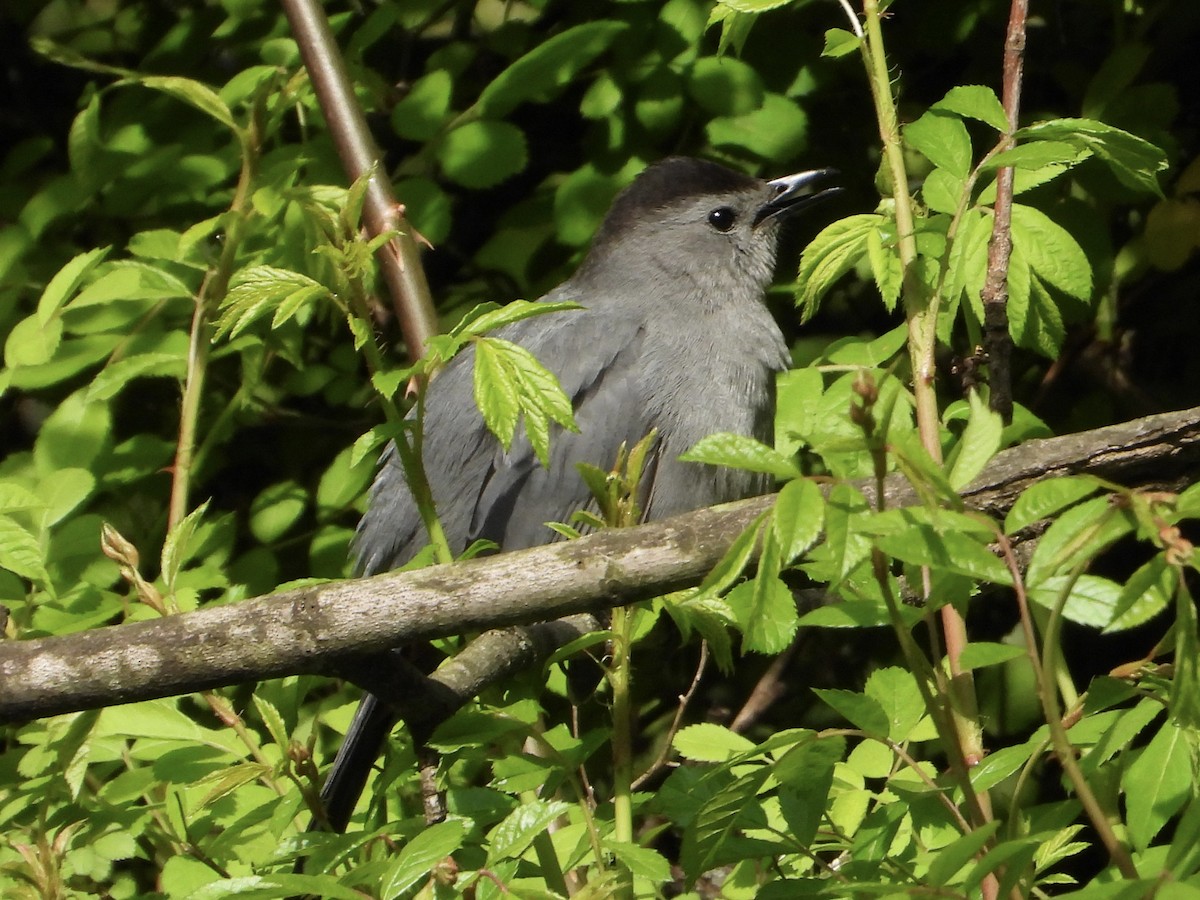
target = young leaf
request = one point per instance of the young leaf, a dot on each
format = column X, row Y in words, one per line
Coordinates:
column 261, row 289
column 175, row 547
column 1080, row 533
column 1135, row 162
column 1148, row 592
column 1053, row 254
column 978, row 444
column 898, row 695
column 797, row 518
column 1158, row 783
column 194, row 93
column 418, row 857
column 943, row 140
column 840, row 42
column 488, row 317
column 513, row 836
column 738, row 451
column 66, row 282
column 1047, row 498
column 859, row 710
column 975, row 101
column 709, row 742
column 830, row 255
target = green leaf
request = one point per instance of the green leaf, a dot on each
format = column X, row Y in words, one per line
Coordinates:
column 195, row 94
column 512, row 837
column 1091, row 601
column 830, row 255
column 1135, row 162
column 752, row 6
column 113, row 377
column 943, row 140
column 885, row 265
column 980, row 441
column 31, row 343
column 176, row 546
column 735, row 560
column 897, row 693
column 709, row 742
column 423, row 110
column 21, row 553
column 860, row 710
column 1079, row 534
column 737, row 451
column 1053, row 254
column 276, row 509
column 1147, row 593
column 725, row 86
column 66, row 282
column 258, row 290
column 951, row 551
column 839, row 42
column 711, row 834
column 797, row 518
column 776, row 131
column 488, row 317
column 545, row 70
column 942, row 191
column 998, row 766
column 952, row 858
column 1158, row 783
column 483, row 153
column 63, row 492
column 419, row 856
column 1036, row 155
column 764, row 607
column 1048, row 497
column 642, row 862
column 981, row 654
column 327, row 887
column 975, row 101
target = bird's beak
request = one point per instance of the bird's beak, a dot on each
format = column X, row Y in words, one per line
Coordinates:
column 796, row 192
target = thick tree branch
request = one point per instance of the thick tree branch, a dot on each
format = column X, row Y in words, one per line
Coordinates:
column 323, row 628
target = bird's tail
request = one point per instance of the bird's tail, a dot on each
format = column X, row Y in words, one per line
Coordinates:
column 351, row 767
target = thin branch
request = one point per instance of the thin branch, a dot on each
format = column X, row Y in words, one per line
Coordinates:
column 317, row 628
column 400, row 258
column 998, row 341
column 684, row 700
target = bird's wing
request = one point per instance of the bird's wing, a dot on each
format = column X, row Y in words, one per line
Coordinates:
column 597, row 362
column 483, row 491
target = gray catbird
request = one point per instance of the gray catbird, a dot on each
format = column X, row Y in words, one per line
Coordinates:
column 673, row 336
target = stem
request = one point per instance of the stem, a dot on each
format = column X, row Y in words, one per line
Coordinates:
column 1043, row 670
column 214, row 288
column 400, row 258
column 619, row 678
column 997, row 339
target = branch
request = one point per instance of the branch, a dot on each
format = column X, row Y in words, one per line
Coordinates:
column 321, row 629
column 399, row 258
column 997, row 340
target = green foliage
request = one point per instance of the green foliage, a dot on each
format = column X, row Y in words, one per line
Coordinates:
column 178, row 256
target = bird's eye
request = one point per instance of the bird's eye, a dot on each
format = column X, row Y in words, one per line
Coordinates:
column 722, row 218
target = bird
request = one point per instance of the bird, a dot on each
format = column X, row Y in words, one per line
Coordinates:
column 671, row 335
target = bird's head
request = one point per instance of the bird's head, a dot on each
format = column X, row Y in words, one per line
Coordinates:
column 695, row 226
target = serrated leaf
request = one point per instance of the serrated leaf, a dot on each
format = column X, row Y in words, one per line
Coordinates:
column 194, row 93
column 861, row 711
column 764, row 607
column 66, row 282
column 1053, row 254
column 897, row 693
column 496, row 393
column 943, row 140
column 950, row 551
column 1147, row 593
column 1091, row 601
column 549, row 67
column 712, row 832
column 942, row 191
column 328, row 887
column 175, row 547
column 839, row 42
column 797, row 518
column 975, row 101
column 21, row 553
column 980, row 441
column 831, row 254
column 513, row 836
column 953, row 857
column 738, row 451
column 1157, row 784
column 31, row 343
column 1135, row 162
column 488, row 317
column 1046, row 498
column 885, row 266
column 261, row 289
column 113, row 377
column 1036, row 155
column 420, row 855
column 1076, row 536
column 642, row 862
column 709, row 742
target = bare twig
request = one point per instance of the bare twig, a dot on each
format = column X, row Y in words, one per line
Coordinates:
column 684, row 700
column 997, row 340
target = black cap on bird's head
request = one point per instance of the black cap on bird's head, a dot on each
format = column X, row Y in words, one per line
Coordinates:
column 690, row 214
